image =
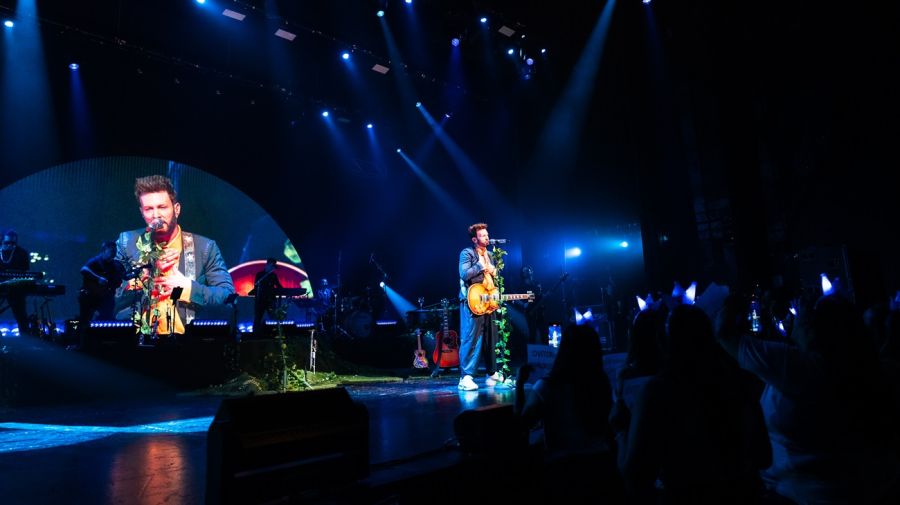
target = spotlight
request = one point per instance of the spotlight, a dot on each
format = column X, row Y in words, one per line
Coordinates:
column 827, row 286
column 623, row 244
column 324, row 113
column 573, row 252
column 509, row 51
column 381, row 284
column 646, row 2
column 201, row 2
column 418, row 104
column 409, row 1
column 380, row 14
column 529, row 62
column 369, row 126
column 454, row 42
column 543, row 51
column 345, row 55
column 483, row 20
column 399, row 150
column 8, row 23
column 447, row 115
column 73, row 66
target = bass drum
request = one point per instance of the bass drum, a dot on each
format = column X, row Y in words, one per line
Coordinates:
column 359, row 324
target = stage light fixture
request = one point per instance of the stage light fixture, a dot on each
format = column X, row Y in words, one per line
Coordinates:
column 573, row 252
column 381, row 284
column 345, row 56
column 8, row 23
column 399, row 150
column 408, row 1
column 380, row 14
column 543, row 51
column 483, row 20
column 324, row 113
column 201, row 2
column 529, row 62
column 286, row 35
column 509, row 51
column 505, row 30
column 228, row 13
column 418, row 104
column 646, row 2
column 454, row 42
column 73, row 66
column 369, row 126
column 623, row 244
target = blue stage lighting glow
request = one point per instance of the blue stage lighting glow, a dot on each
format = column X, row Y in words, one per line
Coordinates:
column 645, row 2
column 454, row 42
column 483, row 20
column 369, row 126
column 380, row 14
column 418, row 104
column 573, row 252
column 447, row 115
column 623, row 244
column 408, row 1
column 827, row 287
column 543, row 51
column 529, row 62
column 73, row 66
column 324, row 113
column 399, row 150
column 509, row 51
column 32, row 436
column 8, row 23
column 345, row 55
column 381, row 284
column 201, row 2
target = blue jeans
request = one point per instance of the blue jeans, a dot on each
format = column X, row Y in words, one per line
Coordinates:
column 477, row 338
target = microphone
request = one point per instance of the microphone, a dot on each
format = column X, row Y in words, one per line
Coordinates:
column 156, row 224
column 498, row 241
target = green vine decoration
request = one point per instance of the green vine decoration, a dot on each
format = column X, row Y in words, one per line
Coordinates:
column 149, row 252
column 504, row 327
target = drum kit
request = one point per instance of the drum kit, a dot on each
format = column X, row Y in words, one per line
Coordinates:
column 348, row 315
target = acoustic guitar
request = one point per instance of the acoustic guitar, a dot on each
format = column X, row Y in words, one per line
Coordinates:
column 446, row 342
column 484, row 300
column 419, row 359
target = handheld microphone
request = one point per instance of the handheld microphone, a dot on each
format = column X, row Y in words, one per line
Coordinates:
column 498, row 241
column 156, row 224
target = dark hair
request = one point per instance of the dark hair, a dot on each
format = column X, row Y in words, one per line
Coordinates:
column 154, row 184
column 473, row 230
column 644, row 355
column 11, row 233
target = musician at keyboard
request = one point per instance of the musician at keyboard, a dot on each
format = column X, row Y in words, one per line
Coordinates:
column 14, row 258
column 265, row 285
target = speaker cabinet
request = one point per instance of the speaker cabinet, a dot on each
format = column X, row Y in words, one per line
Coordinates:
column 270, row 448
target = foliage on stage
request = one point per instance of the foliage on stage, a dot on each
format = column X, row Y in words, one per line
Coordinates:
column 149, row 252
column 504, row 327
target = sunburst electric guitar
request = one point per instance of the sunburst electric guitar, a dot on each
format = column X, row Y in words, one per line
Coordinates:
column 486, row 299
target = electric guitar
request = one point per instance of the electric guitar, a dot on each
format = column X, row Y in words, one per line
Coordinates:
column 484, row 300
column 446, row 342
column 419, row 359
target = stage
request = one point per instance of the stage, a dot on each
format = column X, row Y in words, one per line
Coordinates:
column 129, row 437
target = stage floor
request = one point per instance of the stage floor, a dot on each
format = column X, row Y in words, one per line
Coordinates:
column 101, row 434
column 153, row 450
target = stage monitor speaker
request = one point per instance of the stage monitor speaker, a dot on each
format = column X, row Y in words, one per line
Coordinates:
column 489, row 430
column 271, row 448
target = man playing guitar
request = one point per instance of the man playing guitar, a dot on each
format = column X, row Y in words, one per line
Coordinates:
column 478, row 333
column 101, row 276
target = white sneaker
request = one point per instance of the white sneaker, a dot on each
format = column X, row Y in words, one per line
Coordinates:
column 493, row 380
column 467, row 384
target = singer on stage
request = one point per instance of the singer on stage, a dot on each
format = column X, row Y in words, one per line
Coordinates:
column 188, row 261
column 264, row 286
column 478, row 334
